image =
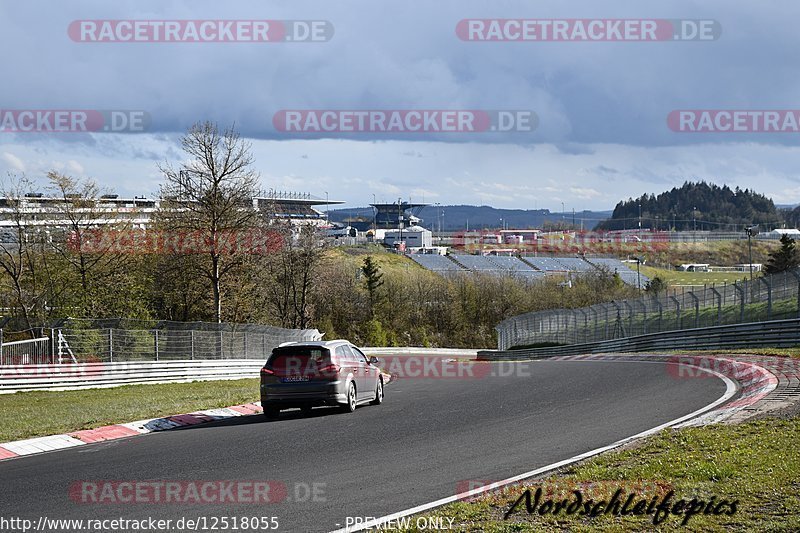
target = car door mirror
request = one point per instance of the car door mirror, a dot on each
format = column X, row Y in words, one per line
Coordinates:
column 373, row 360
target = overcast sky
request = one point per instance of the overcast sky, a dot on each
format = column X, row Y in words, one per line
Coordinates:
column 601, row 135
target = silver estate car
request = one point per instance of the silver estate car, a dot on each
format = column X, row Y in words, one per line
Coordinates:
column 307, row 374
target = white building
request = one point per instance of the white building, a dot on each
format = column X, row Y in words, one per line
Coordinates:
column 412, row 236
column 778, row 233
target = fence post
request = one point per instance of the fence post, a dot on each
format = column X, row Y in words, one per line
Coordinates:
column 769, row 297
column 740, row 290
column 796, row 274
column 110, row 345
column 719, row 305
column 191, row 343
column 644, row 316
column 156, row 344
column 660, row 314
column 629, row 307
column 245, row 345
column 696, row 308
column 677, row 311
column 1, row 346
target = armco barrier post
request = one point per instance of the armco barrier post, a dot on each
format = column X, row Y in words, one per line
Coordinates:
column 156, row 343
column 110, row 345
column 191, row 345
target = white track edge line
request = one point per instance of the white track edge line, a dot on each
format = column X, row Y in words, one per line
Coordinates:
column 730, row 391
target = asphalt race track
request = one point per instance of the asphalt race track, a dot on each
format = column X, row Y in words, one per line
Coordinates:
column 429, row 435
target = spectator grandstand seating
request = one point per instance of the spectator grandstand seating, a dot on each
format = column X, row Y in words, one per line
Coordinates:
column 575, row 264
column 510, row 263
column 615, row 265
column 478, row 263
column 528, row 268
column 435, row 262
column 546, row 264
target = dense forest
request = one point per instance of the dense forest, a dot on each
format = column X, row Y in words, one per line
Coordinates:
column 700, row 206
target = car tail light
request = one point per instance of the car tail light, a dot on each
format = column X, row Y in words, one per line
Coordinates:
column 267, row 371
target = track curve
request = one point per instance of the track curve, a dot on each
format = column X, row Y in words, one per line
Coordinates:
column 428, row 437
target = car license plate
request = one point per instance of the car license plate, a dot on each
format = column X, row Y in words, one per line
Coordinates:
column 295, row 379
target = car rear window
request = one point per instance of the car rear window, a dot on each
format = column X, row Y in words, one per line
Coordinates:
column 299, row 359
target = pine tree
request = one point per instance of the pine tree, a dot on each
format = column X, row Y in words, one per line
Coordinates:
column 786, row 258
column 374, row 280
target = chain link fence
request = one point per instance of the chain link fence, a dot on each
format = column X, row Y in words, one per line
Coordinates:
column 765, row 298
column 121, row 340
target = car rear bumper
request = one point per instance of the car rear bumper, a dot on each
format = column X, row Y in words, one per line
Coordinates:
column 303, row 394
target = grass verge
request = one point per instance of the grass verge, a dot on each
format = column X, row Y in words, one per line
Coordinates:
column 755, row 463
column 37, row 414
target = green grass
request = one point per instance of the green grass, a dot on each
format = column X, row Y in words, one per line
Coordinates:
column 793, row 353
column 37, row 414
column 756, row 463
column 679, row 278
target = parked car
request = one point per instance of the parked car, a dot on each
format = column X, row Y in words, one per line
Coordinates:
column 308, row 374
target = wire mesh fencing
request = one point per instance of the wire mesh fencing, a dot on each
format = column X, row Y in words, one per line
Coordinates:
column 26, row 352
column 121, row 340
column 765, row 298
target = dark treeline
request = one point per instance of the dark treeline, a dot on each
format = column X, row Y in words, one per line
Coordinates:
column 700, row 206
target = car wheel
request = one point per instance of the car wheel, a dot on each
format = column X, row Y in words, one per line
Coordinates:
column 350, row 406
column 271, row 412
column 378, row 393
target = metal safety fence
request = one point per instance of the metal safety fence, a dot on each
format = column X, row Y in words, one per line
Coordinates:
column 121, row 340
column 771, row 297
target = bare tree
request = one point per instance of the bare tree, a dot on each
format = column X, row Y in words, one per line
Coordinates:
column 211, row 197
column 80, row 215
column 20, row 252
column 293, row 269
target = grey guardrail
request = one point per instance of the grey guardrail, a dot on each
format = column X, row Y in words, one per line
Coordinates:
column 454, row 352
column 774, row 333
column 18, row 378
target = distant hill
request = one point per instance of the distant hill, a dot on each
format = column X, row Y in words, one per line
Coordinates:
column 459, row 217
column 701, row 205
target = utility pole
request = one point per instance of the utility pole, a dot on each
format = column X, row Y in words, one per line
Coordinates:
column 751, row 232
column 639, row 273
column 640, row 222
column 400, row 218
column 326, row 209
column 374, row 213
